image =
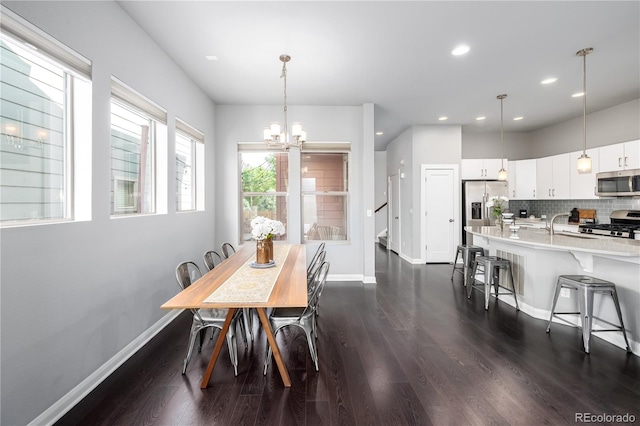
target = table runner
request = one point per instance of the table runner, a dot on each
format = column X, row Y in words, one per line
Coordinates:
column 249, row 284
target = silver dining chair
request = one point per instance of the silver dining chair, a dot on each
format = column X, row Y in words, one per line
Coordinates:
column 313, row 259
column 303, row 318
column 227, row 250
column 186, row 274
column 211, row 259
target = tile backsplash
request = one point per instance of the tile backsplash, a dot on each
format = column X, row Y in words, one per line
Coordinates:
column 603, row 207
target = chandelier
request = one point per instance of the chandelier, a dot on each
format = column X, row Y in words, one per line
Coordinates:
column 502, row 173
column 276, row 135
column 584, row 161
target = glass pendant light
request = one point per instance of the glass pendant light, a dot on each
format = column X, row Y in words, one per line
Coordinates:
column 584, row 161
column 502, row 173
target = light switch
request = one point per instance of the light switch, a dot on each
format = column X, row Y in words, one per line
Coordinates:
column 369, row 213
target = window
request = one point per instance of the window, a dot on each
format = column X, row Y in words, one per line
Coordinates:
column 265, row 177
column 189, row 150
column 45, row 105
column 136, row 127
column 325, row 196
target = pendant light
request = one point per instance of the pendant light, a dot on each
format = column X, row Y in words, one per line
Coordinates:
column 584, row 162
column 274, row 134
column 502, row 173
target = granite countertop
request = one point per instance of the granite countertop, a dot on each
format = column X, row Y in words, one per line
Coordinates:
column 563, row 240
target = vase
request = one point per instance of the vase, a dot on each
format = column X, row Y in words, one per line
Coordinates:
column 262, row 252
column 500, row 223
column 269, row 242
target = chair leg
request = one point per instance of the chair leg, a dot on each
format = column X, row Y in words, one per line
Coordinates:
column 312, row 346
column 192, row 341
column 472, row 279
column 455, row 262
column 586, row 310
column 233, row 351
column 248, row 321
column 553, row 305
column 488, row 277
column 513, row 287
column 614, row 295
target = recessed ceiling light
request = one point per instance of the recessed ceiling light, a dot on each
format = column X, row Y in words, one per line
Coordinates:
column 443, row 118
column 379, row 133
column 211, row 58
column 549, row 80
column 517, row 118
column 460, row 49
column 480, row 118
column 577, row 95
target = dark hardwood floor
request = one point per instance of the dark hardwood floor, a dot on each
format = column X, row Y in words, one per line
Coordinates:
column 411, row 350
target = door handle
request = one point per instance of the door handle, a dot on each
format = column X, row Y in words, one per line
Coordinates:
column 625, row 162
column 619, row 161
column 534, row 193
column 514, row 194
column 450, row 220
column 396, row 217
column 553, row 192
column 549, row 192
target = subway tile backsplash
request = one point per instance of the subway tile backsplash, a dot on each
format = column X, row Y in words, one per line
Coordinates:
column 603, row 207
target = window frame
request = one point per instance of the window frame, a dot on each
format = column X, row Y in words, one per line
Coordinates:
column 129, row 99
column 196, row 139
column 327, row 148
column 256, row 148
column 76, row 92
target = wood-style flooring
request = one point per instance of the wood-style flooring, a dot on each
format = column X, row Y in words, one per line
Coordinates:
column 410, row 350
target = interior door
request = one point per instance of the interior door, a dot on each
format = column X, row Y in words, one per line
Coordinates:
column 440, row 215
column 394, row 213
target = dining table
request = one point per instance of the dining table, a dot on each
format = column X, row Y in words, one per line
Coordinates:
column 239, row 283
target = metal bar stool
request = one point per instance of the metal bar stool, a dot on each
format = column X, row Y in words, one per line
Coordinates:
column 490, row 267
column 586, row 287
column 468, row 253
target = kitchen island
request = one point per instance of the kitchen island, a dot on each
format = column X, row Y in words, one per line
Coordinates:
column 538, row 258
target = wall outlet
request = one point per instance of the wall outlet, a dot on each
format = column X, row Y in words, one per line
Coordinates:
column 565, row 292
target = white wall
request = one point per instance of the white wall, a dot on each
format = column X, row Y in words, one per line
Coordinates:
column 239, row 123
column 517, row 146
column 75, row 294
column 381, row 190
column 620, row 123
column 400, row 150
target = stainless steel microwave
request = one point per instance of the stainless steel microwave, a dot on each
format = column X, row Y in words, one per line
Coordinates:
column 621, row 183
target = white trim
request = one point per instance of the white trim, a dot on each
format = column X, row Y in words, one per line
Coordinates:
column 369, row 280
column 345, row 277
column 75, row 395
column 423, row 205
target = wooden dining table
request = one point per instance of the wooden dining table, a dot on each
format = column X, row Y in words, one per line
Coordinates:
column 236, row 284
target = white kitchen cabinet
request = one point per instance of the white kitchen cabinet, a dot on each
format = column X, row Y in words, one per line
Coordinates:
column 525, row 187
column 583, row 185
column 511, row 179
column 553, row 177
column 620, row 156
column 483, row 168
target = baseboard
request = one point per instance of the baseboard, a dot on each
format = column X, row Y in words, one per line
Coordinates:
column 75, row 395
column 345, row 277
column 369, row 280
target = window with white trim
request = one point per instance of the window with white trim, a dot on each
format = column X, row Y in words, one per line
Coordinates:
column 189, row 177
column 264, row 186
column 325, row 194
column 45, row 142
column 137, row 125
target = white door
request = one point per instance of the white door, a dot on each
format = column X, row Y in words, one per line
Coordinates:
column 440, row 215
column 394, row 213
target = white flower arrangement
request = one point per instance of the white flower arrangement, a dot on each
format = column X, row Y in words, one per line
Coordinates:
column 497, row 203
column 263, row 228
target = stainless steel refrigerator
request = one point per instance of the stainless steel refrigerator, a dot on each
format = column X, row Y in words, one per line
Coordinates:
column 475, row 195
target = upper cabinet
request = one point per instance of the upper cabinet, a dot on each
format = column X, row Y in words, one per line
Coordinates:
column 524, row 176
column 480, row 169
column 583, row 185
column 553, row 177
column 620, row 156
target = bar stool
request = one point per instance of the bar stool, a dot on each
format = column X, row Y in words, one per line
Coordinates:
column 586, row 287
column 468, row 253
column 490, row 267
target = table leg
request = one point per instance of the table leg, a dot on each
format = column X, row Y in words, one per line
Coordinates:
column 274, row 347
column 216, row 350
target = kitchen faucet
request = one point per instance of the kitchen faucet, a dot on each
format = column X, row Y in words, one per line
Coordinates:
column 555, row 216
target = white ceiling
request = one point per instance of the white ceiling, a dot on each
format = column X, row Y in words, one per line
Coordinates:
column 397, row 56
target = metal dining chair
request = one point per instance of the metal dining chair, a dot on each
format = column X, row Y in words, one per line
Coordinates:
column 211, row 259
column 303, row 318
column 227, row 250
column 186, row 274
